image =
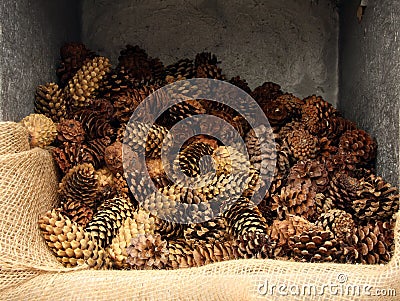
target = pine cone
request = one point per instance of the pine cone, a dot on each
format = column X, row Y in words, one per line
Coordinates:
column 73, row 57
column 147, row 252
column 277, row 111
column 169, row 229
column 121, row 186
column 70, row 243
column 302, row 144
column 139, row 224
column 69, row 155
column 315, row 113
column 50, row 101
column 343, row 190
column 80, row 184
column 107, row 187
column 229, row 160
column 253, row 245
column 265, row 93
column 309, row 170
column 209, row 71
column 42, row 130
column 314, row 246
column 297, row 200
column 281, row 230
column 180, row 111
column 211, row 230
column 82, row 88
column 109, row 218
column 94, row 123
column 182, row 69
column 113, row 157
column 205, row 58
column 376, row 200
column 126, row 102
column 243, row 217
column 240, row 83
column 339, row 222
column 96, row 148
column 323, row 204
column 293, row 104
column 358, row 148
column 77, row 211
column 70, row 130
column 369, row 244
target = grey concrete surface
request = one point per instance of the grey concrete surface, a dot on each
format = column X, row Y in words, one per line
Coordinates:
column 31, row 33
column 291, row 42
column 370, row 76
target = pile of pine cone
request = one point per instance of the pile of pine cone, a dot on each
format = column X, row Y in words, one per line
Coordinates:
column 325, row 204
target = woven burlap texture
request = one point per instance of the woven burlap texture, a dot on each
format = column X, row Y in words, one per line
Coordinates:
column 28, row 270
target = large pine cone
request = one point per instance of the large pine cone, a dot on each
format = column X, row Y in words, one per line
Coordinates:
column 95, row 124
column 108, row 219
column 339, row 222
column 50, row 101
column 70, row 243
column 42, row 130
column 309, row 170
column 302, row 144
column 69, row 155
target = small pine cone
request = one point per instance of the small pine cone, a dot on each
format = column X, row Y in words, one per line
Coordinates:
column 309, row 170
column 147, row 252
column 205, row 58
column 70, row 130
column 139, row 224
column 211, row 230
column 70, row 243
column 77, row 211
column 140, row 136
column 358, row 148
column 265, row 93
column 103, row 107
column 369, row 244
column 81, row 185
column 262, row 150
column 182, row 69
column 168, row 229
column 69, row 155
column 229, row 160
column 293, row 104
column 376, row 200
column 283, row 161
column 277, row 111
column 314, row 246
column 83, row 87
column 73, row 57
column 343, row 190
column 209, row 71
column 240, row 83
column 108, row 219
column 42, row 130
column 125, row 103
column 191, row 161
column 243, row 217
column 302, row 144
column 297, row 200
column 323, row 204
column 96, row 148
column 113, row 157
column 253, row 245
column 94, row 124
column 50, row 101
column 315, row 112
column 339, row 222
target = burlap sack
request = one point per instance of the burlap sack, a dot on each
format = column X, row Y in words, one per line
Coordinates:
column 28, row 270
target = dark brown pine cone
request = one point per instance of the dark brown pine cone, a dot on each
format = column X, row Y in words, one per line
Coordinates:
column 96, row 148
column 309, row 170
column 205, row 58
column 336, row 126
column 95, row 124
column 267, row 92
column 73, row 57
column 339, row 222
column 210, row 230
column 103, row 107
column 358, row 148
column 182, row 69
column 69, row 155
column 287, row 129
column 314, row 246
column 277, row 111
column 376, row 200
column 240, row 83
column 315, row 112
column 293, row 104
column 180, row 111
column 296, row 200
column 77, row 211
column 113, row 157
column 343, row 190
column 169, row 230
column 126, row 102
column 209, row 71
column 302, row 144
column 70, row 130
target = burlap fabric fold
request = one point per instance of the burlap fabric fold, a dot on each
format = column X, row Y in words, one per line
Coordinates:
column 28, row 270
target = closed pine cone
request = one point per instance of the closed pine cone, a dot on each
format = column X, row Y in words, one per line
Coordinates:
column 113, row 157
column 50, row 101
column 70, row 130
column 139, row 224
column 339, row 222
column 69, row 155
column 95, row 124
column 309, row 170
column 77, row 211
column 42, row 130
column 314, row 246
column 214, row 229
column 70, row 243
column 168, row 229
column 302, row 144
column 80, row 184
